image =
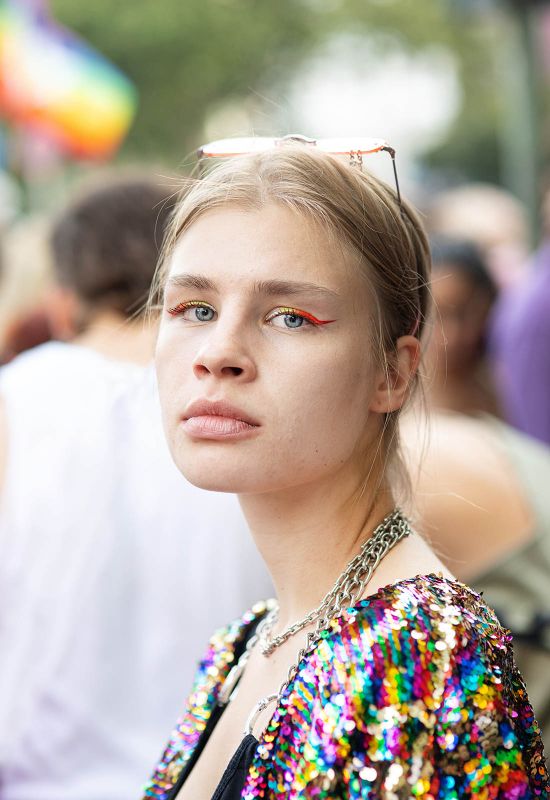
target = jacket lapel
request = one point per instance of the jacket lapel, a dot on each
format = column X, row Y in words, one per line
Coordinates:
column 210, row 677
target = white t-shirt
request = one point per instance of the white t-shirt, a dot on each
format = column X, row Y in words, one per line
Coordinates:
column 114, row 572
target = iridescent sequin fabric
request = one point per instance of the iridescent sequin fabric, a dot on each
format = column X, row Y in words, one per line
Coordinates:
column 412, row 693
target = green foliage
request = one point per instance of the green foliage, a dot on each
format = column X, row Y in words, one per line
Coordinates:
column 189, row 56
column 185, row 56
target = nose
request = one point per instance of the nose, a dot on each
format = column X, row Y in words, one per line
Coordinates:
column 224, row 356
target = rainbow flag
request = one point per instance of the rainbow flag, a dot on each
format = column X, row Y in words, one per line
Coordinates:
column 54, row 83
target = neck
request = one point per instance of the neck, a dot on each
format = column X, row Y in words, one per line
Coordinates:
column 119, row 338
column 308, row 535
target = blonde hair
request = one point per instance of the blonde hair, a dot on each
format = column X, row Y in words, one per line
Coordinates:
column 386, row 239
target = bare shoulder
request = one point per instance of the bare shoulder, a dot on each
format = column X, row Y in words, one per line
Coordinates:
column 466, row 492
column 412, row 557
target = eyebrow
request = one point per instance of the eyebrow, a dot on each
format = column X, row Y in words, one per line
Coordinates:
column 271, row 287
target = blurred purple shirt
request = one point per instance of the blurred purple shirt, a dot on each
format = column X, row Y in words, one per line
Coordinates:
column 521, row 350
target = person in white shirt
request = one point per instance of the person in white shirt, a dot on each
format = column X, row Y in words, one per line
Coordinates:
column 104, row 551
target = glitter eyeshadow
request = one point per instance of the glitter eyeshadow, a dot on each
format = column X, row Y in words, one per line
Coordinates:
column 412, row 693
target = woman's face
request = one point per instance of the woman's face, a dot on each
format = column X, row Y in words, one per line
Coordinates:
column 264, row 368
column 461, row 318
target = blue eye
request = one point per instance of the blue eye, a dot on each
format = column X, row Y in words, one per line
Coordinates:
column 203, row 313
column 293, row 320
column 193, row 311
column 287, row 318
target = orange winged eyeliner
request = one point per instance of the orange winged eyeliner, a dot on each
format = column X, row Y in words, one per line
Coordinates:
column 298, row 313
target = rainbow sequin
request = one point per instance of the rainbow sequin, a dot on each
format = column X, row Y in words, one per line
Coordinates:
column 413, row 693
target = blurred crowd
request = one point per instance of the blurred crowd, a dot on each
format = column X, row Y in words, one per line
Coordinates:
column 104, row 549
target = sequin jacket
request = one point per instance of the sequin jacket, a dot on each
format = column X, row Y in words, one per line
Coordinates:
column 413, row 693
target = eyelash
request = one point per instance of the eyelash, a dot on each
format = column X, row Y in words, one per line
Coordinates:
column 296, row 312
column 181, row 307
column 277, row 312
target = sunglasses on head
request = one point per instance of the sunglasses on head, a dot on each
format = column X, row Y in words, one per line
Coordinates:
column 353, row 147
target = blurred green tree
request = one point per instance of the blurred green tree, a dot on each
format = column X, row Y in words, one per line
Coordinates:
column 185, row 56
column 189, row 56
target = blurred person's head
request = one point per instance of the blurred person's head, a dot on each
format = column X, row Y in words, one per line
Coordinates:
column 463, row 292
column 105, row 248
column 491, row 218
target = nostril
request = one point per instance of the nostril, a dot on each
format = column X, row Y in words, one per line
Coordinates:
column 214, row 368
column 231, row 371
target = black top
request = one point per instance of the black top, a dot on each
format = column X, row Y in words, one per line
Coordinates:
column 231, row 785
column 232, row 781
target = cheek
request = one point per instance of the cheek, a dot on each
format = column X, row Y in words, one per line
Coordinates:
column 325, row 403
column 165, row 352
column 172, row 364
column 174, row 352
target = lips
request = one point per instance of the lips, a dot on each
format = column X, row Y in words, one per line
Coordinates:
column 209, row 408
column 206, row 419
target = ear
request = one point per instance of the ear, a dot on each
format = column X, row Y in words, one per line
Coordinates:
column 396, row 377
column 63, row 312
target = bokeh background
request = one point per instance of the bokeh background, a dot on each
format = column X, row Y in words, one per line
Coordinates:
column 107, row 556
column 459, row 87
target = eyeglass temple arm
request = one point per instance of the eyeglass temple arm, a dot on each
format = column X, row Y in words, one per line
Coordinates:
column 391, row 151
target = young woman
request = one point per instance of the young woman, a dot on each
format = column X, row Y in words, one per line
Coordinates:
column 464, row 294
column 294, row 293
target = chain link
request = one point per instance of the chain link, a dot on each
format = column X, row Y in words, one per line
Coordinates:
column 350, row 584
column 346, row 592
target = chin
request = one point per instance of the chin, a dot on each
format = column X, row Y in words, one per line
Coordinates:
column 213, row 483
column 216, row 472
column 221, row 473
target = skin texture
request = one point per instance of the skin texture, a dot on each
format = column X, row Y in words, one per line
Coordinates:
column 318, row 396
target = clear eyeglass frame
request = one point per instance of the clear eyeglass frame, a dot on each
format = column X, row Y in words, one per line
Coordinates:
column 354, row 147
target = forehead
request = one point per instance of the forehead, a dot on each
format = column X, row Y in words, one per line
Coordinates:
column 237, row 246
